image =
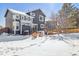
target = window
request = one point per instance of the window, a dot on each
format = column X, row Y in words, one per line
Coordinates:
column 16, row 17
column 41, row 18
column 24, row 17
column 35, row 27
column 28, row 18
column 42, row 25
column 32, row 14
column 20, row 17
column 17, row 27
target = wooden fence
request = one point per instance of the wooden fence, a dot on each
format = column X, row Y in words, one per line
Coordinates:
column 6, row 30
column 55, row 31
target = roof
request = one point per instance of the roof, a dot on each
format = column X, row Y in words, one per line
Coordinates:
column 37, row 10
column 14, row 11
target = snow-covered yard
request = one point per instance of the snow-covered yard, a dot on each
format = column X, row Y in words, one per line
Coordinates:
column 54, row 45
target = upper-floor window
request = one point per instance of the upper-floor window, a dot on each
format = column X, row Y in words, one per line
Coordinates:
column 15, row 16
column 31, row 19
column 28, row 18
column 22, row 17
column 32, row 14
column 42, row 25
column 25, row 18
column 41, row 18
column 17, row 27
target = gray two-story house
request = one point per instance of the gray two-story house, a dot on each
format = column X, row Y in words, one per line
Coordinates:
column 38, row 20
column 24, row 23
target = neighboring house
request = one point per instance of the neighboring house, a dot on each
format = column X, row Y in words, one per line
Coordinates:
column 24, row 23
column 18, row 22
column 50, row 25
column 0, row 27
column 38, row 20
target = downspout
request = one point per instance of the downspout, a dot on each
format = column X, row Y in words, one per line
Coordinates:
column 20, row 27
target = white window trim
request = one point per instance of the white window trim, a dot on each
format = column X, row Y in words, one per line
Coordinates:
column 32, row 14
column 16, row 28
column 22, row 17
column 42, row 26
column 15, row 16
column 42, row 18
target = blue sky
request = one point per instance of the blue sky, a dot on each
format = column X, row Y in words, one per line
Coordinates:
column 47, row 8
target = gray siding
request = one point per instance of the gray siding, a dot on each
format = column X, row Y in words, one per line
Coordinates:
column 36, row 18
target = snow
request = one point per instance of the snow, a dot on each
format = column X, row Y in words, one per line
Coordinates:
column 12, row 10
column 18, row 12
column 4, row 34
column 51, row 45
